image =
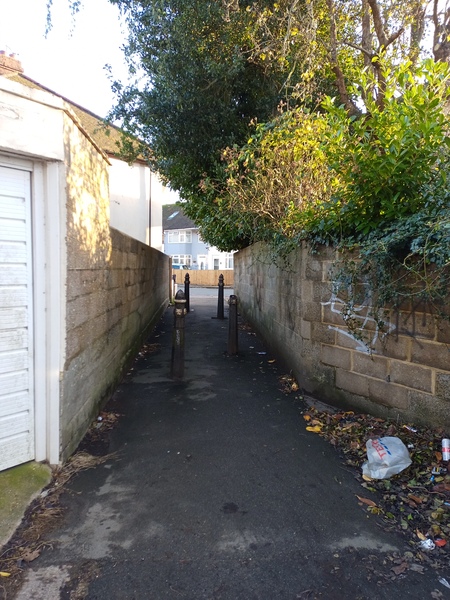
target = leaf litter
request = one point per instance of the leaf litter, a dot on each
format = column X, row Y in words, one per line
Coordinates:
column 416, row 502
column 45, row 511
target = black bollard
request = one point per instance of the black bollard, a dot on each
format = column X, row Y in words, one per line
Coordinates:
column 177, row 366
column 233, row 326
column 186, row 291
column 220, row 299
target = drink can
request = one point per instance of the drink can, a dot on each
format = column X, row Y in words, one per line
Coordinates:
column 445, row 449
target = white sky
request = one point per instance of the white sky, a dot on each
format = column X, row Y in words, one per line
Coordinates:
column 71, row 60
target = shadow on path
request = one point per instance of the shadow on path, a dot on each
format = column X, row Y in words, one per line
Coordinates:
column 217, row 492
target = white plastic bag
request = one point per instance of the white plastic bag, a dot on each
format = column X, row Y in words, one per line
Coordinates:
column 386, row 456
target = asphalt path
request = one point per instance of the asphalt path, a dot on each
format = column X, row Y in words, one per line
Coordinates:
column 216, row 491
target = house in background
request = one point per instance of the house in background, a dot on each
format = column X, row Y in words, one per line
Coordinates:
column 136, row 192
column 183, row 243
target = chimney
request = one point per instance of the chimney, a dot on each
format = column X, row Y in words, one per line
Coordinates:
column 9, row 65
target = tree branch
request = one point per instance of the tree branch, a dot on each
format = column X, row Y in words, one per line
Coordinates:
column 340, row 80
column 378, row 22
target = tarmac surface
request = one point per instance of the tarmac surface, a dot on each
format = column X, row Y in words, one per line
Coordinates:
column 216, row 491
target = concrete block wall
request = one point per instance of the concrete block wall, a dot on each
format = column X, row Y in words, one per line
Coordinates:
column 112, row 305
column 293, row 307
column 116, row 290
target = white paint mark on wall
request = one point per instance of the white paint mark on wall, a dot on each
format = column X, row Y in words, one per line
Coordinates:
column 365, row 319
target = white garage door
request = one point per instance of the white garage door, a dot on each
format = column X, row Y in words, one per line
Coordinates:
column 16, row 324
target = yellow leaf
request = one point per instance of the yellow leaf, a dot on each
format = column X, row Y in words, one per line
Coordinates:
column 315, row 429
column 4, row 574
column 420, row 535
column 348, row 426
column 375, row 510
column 307, row 417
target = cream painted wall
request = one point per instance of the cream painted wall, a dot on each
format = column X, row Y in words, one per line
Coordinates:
column 29, row 123
column 137, row 195
column 130, row 199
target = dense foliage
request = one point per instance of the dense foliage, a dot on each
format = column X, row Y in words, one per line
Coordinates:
column 201, row 80
column 298, row 120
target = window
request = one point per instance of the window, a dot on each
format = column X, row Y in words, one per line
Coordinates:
column 229, row 261
column 180, row 237
column 182, row 259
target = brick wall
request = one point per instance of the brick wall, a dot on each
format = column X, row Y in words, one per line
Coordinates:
column 293, row 308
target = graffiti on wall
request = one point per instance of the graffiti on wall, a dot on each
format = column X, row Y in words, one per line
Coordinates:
column 360, row 313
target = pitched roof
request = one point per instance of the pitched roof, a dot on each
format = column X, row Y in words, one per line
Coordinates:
column 174, row 218
column 107, row 137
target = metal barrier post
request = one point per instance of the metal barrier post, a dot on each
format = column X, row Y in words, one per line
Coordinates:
column 233, row 326
column 177, row 366
column 174, row 285
column 220, row 314
column 186, row 291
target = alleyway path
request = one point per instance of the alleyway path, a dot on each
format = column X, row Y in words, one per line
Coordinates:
column 216, row 492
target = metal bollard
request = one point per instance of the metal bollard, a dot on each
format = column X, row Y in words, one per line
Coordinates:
column 174, row 285
column 220, row 314
column 177, row 365
column 233, row 326
column 186, row 291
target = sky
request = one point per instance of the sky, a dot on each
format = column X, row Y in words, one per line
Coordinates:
column 71, row 59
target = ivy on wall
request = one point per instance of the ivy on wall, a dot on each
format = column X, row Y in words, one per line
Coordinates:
column 374, row 185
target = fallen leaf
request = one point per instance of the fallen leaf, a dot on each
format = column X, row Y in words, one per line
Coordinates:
column 307, row 417
column 271, row 361
column 420, row 535
column 366, row 501
column 348, row 426
column 416, row 499
column 30, row 556
column 4, row 574
column 417, row 568
column 442, row 487
column 315, row 429
column 440, row 542
column 375, row 510
column 435, row 529
column 398, row 570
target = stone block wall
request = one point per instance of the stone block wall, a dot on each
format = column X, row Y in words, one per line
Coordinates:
column 293, row 307
column 116, row 290
column 112, row 304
